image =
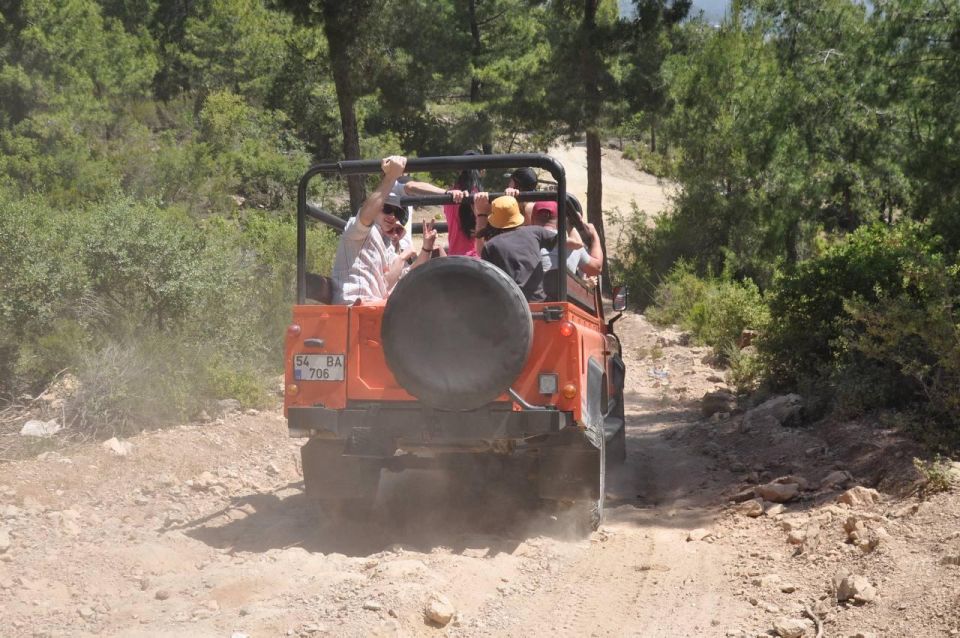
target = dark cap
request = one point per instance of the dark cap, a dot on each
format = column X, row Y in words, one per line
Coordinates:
column 525, row 179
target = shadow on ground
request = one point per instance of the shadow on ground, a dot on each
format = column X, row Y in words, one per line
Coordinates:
column 661, row 484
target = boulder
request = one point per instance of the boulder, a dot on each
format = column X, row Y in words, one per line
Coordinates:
column 698, row 534
column 859, row 497
column 789, row 627
column 834, row 479
column 718, row 401
column 439, row 609
column 118, row 447
column 785, row 410
column 778, row 492
column 40, row 429
column 775, row 510
column 853, row 587
column 746, row 338
column 752, row 508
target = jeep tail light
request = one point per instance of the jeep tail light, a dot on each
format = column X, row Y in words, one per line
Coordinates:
column 569, row 391
column 292, row 389
column 293, row 329
column 566, row 328
column 549, row 383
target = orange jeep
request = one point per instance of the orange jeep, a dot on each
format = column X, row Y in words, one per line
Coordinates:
column 455, row 363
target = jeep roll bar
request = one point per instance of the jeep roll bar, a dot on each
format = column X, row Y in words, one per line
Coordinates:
column 430, row 164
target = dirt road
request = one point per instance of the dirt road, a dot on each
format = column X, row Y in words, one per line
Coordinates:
column 203, row 530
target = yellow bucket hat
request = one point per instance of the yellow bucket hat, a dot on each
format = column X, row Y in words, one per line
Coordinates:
column 505, row 213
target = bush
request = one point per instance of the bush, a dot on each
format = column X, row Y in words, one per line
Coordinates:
column 726, row 310
column 154, row 312
column 715, row 310
column 872, row 324
column 807, row 305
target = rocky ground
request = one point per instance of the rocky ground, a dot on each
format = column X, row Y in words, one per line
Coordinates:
column 723, row 522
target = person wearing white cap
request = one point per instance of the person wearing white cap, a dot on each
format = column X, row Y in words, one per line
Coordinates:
column 365, row 268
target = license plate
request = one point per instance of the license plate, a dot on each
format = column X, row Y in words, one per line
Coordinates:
column 318, row 367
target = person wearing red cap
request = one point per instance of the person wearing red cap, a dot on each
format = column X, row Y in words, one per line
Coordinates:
column 580, row 261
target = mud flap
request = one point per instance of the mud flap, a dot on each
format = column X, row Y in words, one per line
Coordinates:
column 571, row 472
column 329, row 475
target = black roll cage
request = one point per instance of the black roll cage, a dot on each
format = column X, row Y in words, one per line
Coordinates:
column 430, row 164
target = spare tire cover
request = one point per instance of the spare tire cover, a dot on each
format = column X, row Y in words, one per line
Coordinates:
column 456, row 332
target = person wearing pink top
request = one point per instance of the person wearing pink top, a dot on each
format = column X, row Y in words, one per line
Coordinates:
column 461, row 218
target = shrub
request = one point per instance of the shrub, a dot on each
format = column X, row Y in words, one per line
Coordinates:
column 936, row 474
column 156, row 313
column 715, row 310
column 808, row 305
column 676, row 296
column 873, row 323
column 727, row 308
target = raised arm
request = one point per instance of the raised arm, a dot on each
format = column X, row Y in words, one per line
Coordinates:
column 393, row 168
column 426, row 188
column 595, row 267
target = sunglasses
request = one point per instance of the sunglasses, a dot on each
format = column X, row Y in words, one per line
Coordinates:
column 399, row 213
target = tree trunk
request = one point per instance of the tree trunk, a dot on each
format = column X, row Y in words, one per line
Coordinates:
column 595, row 198
column 589, row 65
column 653, row 137
column 346, row 97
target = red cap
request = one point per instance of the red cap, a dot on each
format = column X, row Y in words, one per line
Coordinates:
column 547, row 207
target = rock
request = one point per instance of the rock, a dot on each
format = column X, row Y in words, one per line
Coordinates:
column 907, row 510
column 41, row 429
column 439, row 609
column 797, row 537
column 372, row 605
column 865, row 634
column 834, row 479
column 4, row 540
column 785, row 410
column 744, row 495
column 768, row 581
column 718, row 401
column 778, row 492
column 788, row 588
column 774, row 510
column 714, row 379
column 853, row 587
column 746, row 338
column 86, row 613
column 789, row 627
column 752, row 508
column 203, row 417
column 162, row 594
column 953, row 559
column 273, row 470
column 226, row 406
column 859, row 497
column 118, row 447
column 698, row 534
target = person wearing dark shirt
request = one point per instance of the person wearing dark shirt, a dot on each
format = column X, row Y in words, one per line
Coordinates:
column 515, row 248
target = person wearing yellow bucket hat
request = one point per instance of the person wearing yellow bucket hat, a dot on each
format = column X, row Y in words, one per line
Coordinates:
column 515, row 248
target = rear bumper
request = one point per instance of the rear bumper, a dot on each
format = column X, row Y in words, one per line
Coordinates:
column 375, row 427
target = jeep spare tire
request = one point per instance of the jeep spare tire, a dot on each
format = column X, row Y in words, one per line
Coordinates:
column 456, row 332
